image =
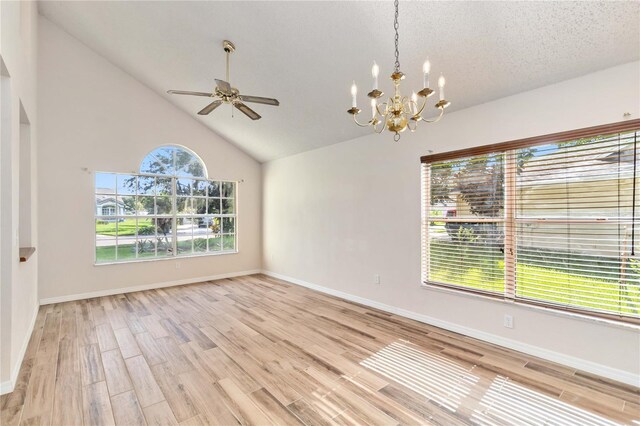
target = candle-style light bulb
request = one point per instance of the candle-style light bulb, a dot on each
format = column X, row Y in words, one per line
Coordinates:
column 373, row 107
column 354, row 92
column 375, row 71
column 441, row 82
column 414, row 102
column 426, row 68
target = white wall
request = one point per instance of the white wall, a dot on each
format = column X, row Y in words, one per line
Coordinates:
column 18, row 281
column 95, row 116
column 336, row 216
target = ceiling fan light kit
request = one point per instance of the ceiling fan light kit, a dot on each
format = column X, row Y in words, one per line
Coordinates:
column 399, row 113
column 224, row 93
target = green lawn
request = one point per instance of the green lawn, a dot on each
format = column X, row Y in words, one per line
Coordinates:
column 549, row 284
column 128, row 251
column 125, row 228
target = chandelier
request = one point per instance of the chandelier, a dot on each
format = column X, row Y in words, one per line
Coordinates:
column 399, row 113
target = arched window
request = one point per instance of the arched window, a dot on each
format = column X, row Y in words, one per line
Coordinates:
column 170, row 208
column 173, row 161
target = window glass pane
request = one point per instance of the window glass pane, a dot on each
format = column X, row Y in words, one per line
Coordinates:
column 105, row 183
column 228, row 189
column 146, row 185
column 164, row 186
column 145, row 205
column 146, row 238
column 146, row 226
column 188, row 164
column 127, row 184
column 215, row 225
column 159, row 162
column 185, row 235
column 228, row 225
column 183, row 186
column 164, row 205
column 228, row 205
column 105, row 250
column 191, row 206
column 229, row 242
column 200, row 187
column 201, row 231
column 126, row 248
column 127, row 205
column 467, row 254
column 215, row 243
column 106, row 205
column 200, row 204
column 214, row 206
column 105, row 240
column 105, row 228
column 214, row 189
column 125, row 228
column 183, row 205
column 164, row 227
column 469, row 187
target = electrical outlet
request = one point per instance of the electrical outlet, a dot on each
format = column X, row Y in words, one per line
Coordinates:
column 376, row 279
column 178, row 265
column 508, row 321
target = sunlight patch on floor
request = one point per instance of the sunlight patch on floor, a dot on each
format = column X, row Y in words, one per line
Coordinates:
column 430, row 375
column 508, row 402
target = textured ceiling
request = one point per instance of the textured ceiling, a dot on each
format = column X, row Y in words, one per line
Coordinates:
column 307, row 53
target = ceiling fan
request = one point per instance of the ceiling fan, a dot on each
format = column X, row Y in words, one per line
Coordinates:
column 224, row 93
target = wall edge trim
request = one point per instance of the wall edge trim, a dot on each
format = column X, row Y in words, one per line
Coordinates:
column 8, row 385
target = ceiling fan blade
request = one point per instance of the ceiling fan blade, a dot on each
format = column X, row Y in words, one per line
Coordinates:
column 259, row 100
column 223, row 86
column 213, row 105
column 185, row 92
column 247, row 111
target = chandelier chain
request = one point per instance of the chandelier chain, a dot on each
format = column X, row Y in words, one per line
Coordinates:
column 396, row 26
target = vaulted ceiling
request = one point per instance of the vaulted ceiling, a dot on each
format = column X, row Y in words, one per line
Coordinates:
column 307, row 53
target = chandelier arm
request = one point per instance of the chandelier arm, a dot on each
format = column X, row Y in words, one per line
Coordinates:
column 382, row 127
column 435, row 120
column 424, row 104
column 360, row 124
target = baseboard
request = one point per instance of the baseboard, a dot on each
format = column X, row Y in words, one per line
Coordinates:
column 570, row 361
column 110, row 292
column 8, row 385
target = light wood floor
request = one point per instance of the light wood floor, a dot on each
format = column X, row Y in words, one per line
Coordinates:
column 255, row 350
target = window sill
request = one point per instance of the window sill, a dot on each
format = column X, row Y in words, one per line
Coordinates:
column 547, row 310
column 26, row 252
column 160, row 259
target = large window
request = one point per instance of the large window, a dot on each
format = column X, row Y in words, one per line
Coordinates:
column 550, row 221
column 168, row 209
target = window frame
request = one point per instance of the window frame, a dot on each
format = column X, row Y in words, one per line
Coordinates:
column 175, row 216
column 509, row 149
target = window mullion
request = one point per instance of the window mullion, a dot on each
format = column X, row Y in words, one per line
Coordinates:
column 174, row 206
column 426, row 216
column 510, row 225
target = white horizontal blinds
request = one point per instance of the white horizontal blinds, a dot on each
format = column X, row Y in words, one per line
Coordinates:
column 465, row 226
column 574, row 224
